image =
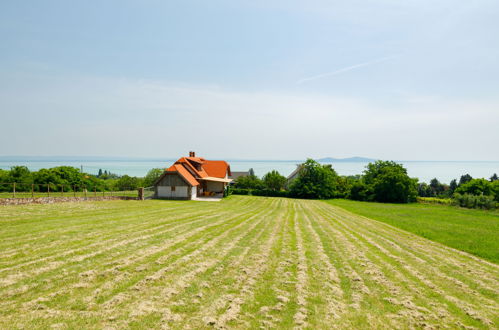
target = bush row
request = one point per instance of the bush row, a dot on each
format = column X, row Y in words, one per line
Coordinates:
column 475, row 202
column 434, row 200
column 260, row 192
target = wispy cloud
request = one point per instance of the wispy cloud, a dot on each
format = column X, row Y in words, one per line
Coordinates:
column 345, row 69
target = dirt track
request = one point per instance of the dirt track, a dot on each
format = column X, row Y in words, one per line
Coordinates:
column 244, row 262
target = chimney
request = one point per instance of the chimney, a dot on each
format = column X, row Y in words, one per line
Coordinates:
column 192, row 154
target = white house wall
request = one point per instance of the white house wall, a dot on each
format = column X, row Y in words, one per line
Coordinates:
column 179, row 192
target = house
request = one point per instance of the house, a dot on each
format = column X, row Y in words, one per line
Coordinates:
column 192, row 177
column 294, row 174
column 236, row 175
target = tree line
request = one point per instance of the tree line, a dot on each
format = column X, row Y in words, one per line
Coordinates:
column 72, row 178
column 381, row 181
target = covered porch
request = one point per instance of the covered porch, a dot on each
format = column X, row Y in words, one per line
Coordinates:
column 212, row 187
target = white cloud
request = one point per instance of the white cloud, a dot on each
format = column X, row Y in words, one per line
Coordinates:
column 113, row 117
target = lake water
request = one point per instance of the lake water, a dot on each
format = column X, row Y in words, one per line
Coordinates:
column 444, row 171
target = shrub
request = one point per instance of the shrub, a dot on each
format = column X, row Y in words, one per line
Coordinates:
column 261, row 192
column 474, row 202
column 241, row 191
column 434, row 200
column 476, row 187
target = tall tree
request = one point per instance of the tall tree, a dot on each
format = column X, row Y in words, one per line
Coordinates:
column 452, row 186
column 152, row 176
column 465, row 178
column 390, row 183
column 315, row 181
column 274, row 180
column 494, row 177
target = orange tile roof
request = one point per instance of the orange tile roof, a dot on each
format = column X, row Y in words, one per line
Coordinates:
column 187, row 167
column 217, row 168
column 187, row 176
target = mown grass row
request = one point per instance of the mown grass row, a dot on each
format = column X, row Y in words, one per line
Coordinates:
column 245, row 262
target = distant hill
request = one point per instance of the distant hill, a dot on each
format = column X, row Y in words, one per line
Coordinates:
column 346, row 160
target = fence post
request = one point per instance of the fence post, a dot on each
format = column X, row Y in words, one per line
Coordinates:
column 74, row 190
column 85, row 191
column 95, row 192
column 62, row 190
column 14, row 189
column 32, row 190
column 141, row 194
column 48, row 190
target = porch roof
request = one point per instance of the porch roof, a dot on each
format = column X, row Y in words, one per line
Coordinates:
column 213, row 179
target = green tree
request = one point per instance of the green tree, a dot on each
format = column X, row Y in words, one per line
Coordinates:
column 476, row 187
column 360, row 191
column 249, row 182
column 452, row 186
column 495, row 190
column 100, row 173
column 20, row 174
column 315, row 181
column 274, row 180
column 390, row 183
column 152, row 176
column 465, row 178
column 424, row 190
column 494, row 177
column 127, row 182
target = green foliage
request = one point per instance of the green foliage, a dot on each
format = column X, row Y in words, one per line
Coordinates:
column 360, row 191
column 495, row 190
column 475, row 187
column 249, row 182
column 494, row 177
column 274, row 180
column 241, row 191
column 127, row 182
column 474, row 201
column 20, row 174
column 152, row 176
column 424, row 190
column 260, row 192
column 434, row 200
column 452, row 186
column 388, row 182
column 465, row 178
column 315, row 181
column 66, row 178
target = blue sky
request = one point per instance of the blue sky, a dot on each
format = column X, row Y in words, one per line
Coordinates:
column 389, row 79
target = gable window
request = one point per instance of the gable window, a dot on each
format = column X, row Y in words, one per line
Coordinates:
column 173, row 188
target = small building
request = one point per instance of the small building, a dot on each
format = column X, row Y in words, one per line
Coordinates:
column 192, row 177
column 294, row 175
column 235, row 175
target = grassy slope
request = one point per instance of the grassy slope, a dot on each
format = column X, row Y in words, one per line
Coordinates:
column 245, row 262
column 473, row 231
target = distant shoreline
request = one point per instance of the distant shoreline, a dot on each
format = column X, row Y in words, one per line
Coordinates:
column 167, row 159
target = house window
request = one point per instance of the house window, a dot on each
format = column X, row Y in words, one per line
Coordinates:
column 173, row 188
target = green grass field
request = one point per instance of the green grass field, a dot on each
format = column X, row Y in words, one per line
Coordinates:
column 473, row 231
column 244, row 262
